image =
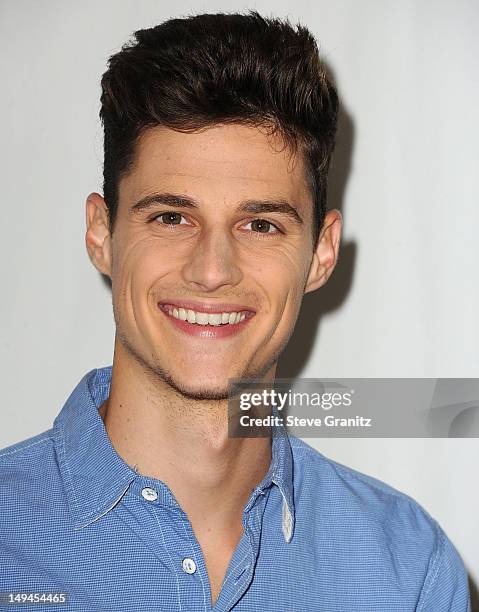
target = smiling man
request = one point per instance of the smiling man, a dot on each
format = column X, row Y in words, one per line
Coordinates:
column 212, row 226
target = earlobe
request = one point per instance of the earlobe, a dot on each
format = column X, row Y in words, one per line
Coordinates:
column 325, row 255
column 97, row 237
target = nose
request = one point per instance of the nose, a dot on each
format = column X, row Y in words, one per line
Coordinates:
column 212, row 262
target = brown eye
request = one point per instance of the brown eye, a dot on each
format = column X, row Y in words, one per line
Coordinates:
column 263, row 226
column 170, row 218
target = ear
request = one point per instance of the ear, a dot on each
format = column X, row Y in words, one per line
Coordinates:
column 97, row 237
column 326, row 251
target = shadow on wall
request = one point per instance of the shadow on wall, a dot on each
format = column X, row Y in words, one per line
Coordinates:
column 474, row 595
column 334, row 293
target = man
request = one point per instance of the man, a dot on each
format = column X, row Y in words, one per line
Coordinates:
column 212, row 226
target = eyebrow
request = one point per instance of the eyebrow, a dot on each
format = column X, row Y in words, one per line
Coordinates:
column 248, row 206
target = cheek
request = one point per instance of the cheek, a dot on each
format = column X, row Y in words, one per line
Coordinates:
column 136, row 267
column 283, row 270
column 282, row 275
column 140, row 260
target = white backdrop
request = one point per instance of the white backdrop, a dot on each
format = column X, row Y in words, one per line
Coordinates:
column 404, row 299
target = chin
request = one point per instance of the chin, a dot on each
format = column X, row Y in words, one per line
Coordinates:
column 211, row 387
column 205, row 383
column 200, row 390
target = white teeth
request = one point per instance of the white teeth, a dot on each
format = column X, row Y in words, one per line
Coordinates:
column 204, row 318
column 214, row 319
column 201, row 318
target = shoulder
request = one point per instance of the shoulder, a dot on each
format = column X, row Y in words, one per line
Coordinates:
column 26, row 467
column 26, row 450
column 387, row 523
column 368, row 491
column 379, row 531
column 350, row 499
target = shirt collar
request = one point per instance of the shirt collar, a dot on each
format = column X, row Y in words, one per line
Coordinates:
column 96, row 477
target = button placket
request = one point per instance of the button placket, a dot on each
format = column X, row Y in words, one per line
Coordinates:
column 191, row 595
column 194, row 568
column 240, row 578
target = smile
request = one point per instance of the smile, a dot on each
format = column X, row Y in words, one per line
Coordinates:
column 204, row 318
column 219, row 322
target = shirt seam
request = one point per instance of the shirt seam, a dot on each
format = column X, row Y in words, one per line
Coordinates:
column 434, row 571
column 6, row 453
column 60, row 438
column 171, row 560
column 94, row 516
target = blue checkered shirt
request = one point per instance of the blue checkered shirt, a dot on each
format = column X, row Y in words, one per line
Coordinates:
column 318, row 536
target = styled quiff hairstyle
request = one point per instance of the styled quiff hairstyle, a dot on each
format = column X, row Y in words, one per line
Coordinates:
column 192, row 73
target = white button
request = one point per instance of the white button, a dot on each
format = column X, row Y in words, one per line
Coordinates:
column 189, row 566
column 149, row 494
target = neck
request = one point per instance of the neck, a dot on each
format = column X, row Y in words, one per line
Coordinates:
column 183, row 442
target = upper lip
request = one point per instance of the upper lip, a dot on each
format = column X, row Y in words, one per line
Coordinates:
column 208, row 307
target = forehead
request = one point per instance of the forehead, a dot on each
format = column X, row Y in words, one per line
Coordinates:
column 229, row 160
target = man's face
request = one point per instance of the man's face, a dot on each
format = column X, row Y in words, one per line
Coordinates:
column 230, row 232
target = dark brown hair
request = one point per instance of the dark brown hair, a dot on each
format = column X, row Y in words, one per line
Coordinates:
column 191, row 73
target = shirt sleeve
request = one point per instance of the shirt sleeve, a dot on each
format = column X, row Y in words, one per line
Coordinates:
column 446, row 588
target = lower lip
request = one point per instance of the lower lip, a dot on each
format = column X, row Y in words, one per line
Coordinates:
column 208, row 331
